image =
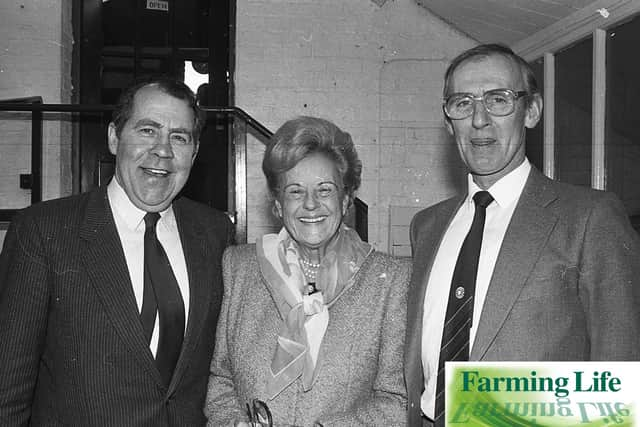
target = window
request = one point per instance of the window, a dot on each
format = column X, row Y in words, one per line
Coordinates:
column 535, row 136
column 573, row 115
column 622, row 121
column 591, row 128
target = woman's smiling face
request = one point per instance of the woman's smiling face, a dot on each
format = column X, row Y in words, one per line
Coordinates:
column 312, row 201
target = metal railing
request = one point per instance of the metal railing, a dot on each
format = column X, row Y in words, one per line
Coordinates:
column 31, row 104
column 242, row 126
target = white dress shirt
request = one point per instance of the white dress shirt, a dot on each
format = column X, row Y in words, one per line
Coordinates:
column 130, row 225
column 506, row 193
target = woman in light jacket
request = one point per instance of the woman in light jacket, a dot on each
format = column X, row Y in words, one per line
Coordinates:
column 312, row 320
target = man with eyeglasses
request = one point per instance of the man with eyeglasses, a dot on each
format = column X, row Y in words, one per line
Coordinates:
column 520, row 267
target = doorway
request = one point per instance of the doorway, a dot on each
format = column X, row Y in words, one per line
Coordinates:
column 121, row 41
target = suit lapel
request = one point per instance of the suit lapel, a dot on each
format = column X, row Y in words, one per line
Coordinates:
column 198, row 260
column 523, row 242
column 106, row 268
column 428, row 238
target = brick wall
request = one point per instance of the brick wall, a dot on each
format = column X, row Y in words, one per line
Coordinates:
column 375, row 71
column 35, row 59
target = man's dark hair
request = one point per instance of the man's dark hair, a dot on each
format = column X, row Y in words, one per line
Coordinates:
column 170, row 86
column 486, row 50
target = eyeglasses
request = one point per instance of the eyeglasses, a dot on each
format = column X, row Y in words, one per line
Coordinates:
column 326, row 190
column 497, row 102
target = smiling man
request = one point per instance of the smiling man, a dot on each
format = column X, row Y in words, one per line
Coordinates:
column 519, row 267
column 109, row 299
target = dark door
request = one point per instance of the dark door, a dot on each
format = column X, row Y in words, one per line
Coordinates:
column 125, row 40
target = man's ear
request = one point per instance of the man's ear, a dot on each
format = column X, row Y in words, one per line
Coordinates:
column 448, row 125
column 534, row 111
column 195, row 151
column 196, row 146
column 112, row 138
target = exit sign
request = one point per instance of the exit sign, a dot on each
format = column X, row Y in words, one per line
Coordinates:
column 158, row 5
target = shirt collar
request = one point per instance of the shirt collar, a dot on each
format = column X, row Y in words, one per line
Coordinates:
column 129, row 214
column 507, row 189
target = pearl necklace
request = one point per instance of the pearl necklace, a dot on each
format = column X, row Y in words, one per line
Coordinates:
column 310, row 271
column 309, row 263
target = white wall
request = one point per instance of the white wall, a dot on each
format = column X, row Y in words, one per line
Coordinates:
column 35, row 59
column 375, row 71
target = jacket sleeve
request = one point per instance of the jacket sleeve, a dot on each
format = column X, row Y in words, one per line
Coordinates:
column 387, row 405
column 222, row 406
column 24, row 300
column 609, row 282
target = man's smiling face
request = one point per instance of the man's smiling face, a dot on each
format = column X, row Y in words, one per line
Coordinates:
column 155, row 149
column 492, row 146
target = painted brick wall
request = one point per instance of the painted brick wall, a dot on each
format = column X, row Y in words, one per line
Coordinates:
column 35, row 59
column 375, row 71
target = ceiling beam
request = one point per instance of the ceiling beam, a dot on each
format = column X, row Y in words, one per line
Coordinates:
column 601, row 14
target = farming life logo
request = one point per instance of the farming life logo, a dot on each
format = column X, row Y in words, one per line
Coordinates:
column 552, row 394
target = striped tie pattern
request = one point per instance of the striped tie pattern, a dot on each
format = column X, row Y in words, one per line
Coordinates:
column 455, row 335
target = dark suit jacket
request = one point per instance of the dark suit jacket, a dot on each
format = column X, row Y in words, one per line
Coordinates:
column 566, row 284
column 72, row 350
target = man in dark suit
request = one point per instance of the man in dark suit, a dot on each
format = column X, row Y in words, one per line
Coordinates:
column 555, row 274
column 109, row 299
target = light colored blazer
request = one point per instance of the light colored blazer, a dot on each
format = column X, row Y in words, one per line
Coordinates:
column 360, row 380
column 566, row 284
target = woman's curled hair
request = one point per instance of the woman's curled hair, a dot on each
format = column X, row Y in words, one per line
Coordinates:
column 305, row 136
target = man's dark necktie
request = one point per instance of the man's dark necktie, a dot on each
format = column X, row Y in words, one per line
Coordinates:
column 457, row 322
column 161, row 294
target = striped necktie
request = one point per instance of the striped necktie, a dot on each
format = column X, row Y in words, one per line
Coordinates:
column 455, row 335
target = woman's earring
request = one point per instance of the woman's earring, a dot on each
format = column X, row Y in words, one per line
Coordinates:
column 278, row 209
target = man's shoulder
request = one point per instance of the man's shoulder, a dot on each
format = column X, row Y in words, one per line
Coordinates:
column 208, row 217
column 192, row 208
column 573, row 196
column 446, row 207
column 66, row 209
column 204, row 220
